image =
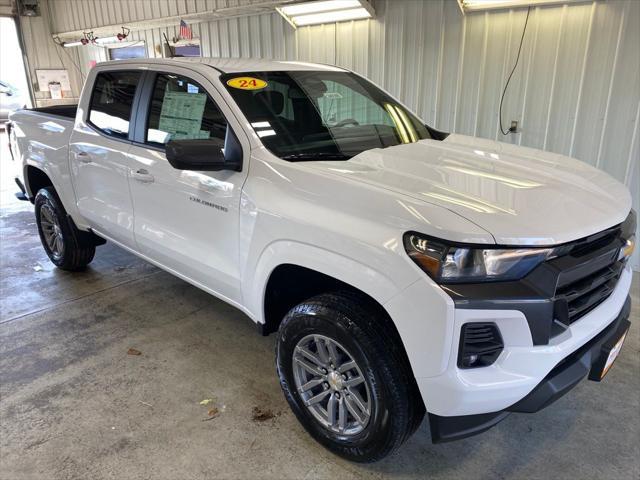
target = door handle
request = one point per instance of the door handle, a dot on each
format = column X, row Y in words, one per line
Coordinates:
column 142, row 175
column 83, row 157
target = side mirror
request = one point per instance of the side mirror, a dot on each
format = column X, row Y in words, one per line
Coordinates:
column 436, row 134
column 206, row 155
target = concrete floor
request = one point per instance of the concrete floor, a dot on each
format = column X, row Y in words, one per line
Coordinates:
column 74, row 404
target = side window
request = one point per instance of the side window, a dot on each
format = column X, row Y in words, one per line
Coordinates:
column 111, row 101
column 181, row 109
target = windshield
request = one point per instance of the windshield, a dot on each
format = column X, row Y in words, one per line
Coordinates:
column 315, row 115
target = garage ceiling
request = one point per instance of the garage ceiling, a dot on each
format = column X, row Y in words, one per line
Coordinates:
column 129, row 18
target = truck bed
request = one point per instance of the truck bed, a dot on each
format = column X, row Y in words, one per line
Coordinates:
column 43, row 137
column 68, row 111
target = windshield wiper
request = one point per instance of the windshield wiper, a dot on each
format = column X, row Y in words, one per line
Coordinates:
column 316, row 156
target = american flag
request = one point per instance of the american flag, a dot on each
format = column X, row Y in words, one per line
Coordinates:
column 185, row 31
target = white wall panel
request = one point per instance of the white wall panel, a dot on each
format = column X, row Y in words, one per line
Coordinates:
column 574, row 41
column 71, row 15
column 6, row 7
column 43, row 53
column 576, row 90
column 447, row 78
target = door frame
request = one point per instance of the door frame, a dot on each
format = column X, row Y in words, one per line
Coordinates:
column 144, row 94
column 82, row 125
column 25, row 60
column 142, row 104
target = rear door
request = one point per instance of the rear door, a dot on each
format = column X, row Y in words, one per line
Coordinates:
column 98, row 151
column 186, row 220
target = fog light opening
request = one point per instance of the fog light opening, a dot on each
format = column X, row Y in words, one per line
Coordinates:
column 480, row 345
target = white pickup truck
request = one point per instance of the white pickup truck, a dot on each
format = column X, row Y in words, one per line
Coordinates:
column 406, row 271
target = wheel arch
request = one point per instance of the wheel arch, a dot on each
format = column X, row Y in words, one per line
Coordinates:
column 35, row 179
column 290, row 284
column 333, row 265
column 36, row 175
column 290, row 272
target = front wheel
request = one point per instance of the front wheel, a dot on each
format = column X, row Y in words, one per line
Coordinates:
column 59, row 236
column 348, row 385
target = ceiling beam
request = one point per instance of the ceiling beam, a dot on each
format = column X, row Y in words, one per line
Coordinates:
column 266, row 6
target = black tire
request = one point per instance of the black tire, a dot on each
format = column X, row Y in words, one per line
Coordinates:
column 76, row 252
column 396, row 407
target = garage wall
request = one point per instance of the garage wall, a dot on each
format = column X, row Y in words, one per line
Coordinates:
column 259, row 36
column 70, row 15
column 576, row 90
column 6, row 8
column 43, row 53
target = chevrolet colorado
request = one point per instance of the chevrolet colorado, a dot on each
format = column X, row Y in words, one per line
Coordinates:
column 405, row 270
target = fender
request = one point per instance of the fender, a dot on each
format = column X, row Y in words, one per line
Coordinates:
column 360, row 276
column 52, row 158
column 428, row 344
column 58, row 180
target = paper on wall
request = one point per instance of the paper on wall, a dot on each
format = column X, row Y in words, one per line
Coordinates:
column 46, row 77
column 56, row 91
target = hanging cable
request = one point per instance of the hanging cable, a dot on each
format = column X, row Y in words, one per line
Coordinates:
column 58, row 44
column 506, row 85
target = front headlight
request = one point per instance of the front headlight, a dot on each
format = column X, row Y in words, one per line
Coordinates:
column 447, row 263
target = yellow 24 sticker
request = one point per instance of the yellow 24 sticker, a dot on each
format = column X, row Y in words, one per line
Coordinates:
column 247, row 83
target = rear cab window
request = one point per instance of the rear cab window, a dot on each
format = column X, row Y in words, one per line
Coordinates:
column 112, row 101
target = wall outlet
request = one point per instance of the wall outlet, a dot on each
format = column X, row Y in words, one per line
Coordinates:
column 514, row 126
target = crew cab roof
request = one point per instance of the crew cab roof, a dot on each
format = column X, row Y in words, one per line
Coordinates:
column 232, row 65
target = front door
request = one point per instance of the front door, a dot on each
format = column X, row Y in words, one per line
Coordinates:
column 98, row 155
column 186, row 220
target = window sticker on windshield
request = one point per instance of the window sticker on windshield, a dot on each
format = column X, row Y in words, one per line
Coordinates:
column 247, row 83
column 332, row 95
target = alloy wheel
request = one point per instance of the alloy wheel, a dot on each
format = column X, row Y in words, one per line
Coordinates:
column 331, row 385
column 51, row 230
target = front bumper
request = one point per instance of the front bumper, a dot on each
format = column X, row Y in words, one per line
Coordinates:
column 562, row 378
column 520, row 367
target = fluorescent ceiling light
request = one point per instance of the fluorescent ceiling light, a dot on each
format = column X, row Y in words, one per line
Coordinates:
column 470, row 5
column 330, row 17
column 326, row 11
column 72, row 44
column 121, row 44
column 315, row 7
column 104, row 40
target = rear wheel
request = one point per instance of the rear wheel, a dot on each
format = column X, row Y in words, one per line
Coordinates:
column 63, row 242
column 345, row 380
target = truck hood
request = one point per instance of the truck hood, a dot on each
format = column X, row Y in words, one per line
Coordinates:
column 521, row 196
